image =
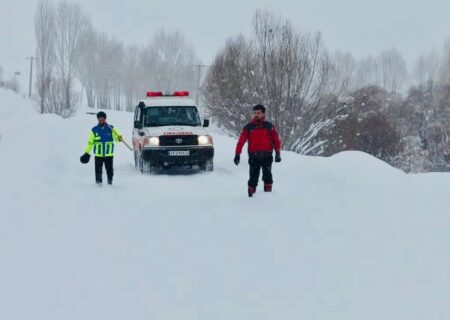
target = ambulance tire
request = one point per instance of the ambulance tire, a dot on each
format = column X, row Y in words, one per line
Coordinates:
column 147, row 168
column 208, row 166
column 136, row 160
column 141, row 164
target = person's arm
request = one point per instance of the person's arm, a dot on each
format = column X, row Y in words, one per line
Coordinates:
column 90, row 144
column 241, row 142
column 276, row 140
column 116, row 134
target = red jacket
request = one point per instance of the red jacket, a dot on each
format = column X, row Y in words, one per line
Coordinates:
column 262, row 137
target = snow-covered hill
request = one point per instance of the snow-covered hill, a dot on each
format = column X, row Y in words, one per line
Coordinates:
column 346, row 237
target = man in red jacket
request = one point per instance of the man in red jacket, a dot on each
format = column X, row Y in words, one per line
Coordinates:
column 262, row 140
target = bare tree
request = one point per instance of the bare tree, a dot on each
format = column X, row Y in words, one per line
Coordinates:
column 342, row 73
column 71, row 25
column 168, row 63
column 295, row 69
column 100, row 66
column 131, row 82
column 388, row 70
column 44, row 24
column 108, row 76
column 393, row 70
column 367, row 73
column 87, row 64
column 286, row 70
column 115, row 76
column 426, row 70
column 445, row 65
column 233, row 84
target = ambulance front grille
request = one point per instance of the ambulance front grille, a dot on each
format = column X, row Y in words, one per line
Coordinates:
column 174, row 141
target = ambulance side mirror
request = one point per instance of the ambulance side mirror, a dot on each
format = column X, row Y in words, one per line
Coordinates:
column 141, row 133
column 206, row 123
column 137, row 125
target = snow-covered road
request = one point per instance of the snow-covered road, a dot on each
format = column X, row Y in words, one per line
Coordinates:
column 341, row 238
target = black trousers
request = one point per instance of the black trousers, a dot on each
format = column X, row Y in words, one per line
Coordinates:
column 108, row 162
column 257, row 163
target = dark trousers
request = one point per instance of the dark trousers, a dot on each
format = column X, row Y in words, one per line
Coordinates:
column 108, row 162
column 257, row 163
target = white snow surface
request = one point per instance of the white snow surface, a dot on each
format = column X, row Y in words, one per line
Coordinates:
column 346, row 237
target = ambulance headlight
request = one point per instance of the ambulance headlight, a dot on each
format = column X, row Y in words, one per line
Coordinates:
column 153, row 141
column 205, row 140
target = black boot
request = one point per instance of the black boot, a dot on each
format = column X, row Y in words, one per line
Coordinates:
column 251, row 191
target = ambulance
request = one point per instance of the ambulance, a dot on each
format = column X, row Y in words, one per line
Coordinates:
column 168, row 133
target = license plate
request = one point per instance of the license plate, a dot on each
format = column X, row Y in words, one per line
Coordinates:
column 179, row 153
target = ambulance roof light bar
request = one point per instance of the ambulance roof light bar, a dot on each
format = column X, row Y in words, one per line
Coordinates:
column 181, row 94
column 153, row 94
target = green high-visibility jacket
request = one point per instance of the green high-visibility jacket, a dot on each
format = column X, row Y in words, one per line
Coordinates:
column 102, row 140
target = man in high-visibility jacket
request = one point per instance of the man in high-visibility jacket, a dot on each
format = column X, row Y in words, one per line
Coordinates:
column 102, row 140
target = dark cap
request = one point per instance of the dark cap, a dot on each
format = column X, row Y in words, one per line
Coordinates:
column 101, row 114
column 259, row 107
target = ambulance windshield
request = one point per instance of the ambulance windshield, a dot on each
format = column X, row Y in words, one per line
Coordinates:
column 172, row 116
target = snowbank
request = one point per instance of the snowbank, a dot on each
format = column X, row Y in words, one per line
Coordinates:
column 346, row 237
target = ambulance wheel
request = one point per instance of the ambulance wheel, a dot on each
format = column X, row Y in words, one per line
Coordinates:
column 208, row 166
column 141, row 164
column 147, row 167
column 136, row 160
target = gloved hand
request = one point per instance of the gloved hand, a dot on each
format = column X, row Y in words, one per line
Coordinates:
column 278, row 157
column 237, row 159
column 85, row 158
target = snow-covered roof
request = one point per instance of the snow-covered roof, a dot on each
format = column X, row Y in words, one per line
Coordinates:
column 168, row 102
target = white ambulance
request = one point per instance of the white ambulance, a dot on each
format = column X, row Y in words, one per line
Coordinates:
column 168, row 132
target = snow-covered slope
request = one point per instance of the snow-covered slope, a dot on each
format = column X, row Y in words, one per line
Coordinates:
column 346, row 237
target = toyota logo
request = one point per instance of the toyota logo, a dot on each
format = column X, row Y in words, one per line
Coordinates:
column 179, row 141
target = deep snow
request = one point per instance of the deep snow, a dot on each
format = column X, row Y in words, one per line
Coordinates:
column 346, row 237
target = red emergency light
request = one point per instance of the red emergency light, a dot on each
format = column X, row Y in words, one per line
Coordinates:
column 181, row 94
column 154, row 94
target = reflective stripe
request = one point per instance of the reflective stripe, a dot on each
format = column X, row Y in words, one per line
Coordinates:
column 107, row 149
column 104, row 149
column 98, row 149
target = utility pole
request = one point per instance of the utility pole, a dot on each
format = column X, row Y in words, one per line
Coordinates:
column 199, row 79
column 31, row 76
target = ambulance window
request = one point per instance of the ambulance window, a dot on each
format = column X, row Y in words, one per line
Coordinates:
column 138, row 118
column 136, row 114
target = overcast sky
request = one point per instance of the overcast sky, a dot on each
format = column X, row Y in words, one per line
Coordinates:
column 359, row 26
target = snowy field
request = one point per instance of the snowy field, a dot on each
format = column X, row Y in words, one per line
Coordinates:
column 346, row 237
